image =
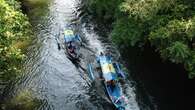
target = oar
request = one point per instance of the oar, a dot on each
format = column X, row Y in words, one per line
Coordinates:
column 57, row 40
column 59, row 47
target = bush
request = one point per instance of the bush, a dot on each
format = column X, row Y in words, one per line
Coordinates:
column 14, row 29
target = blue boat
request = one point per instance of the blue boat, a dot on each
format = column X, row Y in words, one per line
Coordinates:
column 111, row 72
column 72, row 44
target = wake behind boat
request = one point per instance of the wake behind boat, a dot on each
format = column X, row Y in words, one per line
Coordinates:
column 72, row 44
column 111, row 72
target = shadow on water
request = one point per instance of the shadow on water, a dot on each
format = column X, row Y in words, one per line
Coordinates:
column 167, row 83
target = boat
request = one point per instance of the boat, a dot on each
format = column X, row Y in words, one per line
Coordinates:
column 110, row 73
column 72, row 44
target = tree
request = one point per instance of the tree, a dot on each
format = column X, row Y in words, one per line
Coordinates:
column 168, row 25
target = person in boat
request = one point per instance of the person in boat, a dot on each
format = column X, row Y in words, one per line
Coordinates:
column 71, row 47
column 111, row 84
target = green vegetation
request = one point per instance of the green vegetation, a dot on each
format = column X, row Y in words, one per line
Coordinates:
column 104, row 10
column 14, row 37
column 35, row 8
column 22, row 101
column 168, row 25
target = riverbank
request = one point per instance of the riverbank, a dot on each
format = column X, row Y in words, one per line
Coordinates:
column 31, row 6
column 15, row 37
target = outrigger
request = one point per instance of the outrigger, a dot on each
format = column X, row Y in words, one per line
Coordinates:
column 72, row 44
column 111, row 72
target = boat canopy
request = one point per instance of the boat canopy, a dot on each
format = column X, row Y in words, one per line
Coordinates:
column 68, row 32
column 108, row 70
column 69, row 35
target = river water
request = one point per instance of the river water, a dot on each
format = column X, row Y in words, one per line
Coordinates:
column 53, row 78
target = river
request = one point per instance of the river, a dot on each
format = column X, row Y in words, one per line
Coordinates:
column 53, row 78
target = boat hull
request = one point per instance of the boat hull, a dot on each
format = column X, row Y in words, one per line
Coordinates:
column 115, row 95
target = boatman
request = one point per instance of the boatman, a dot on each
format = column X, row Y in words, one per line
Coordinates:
column 71, row 47
column 111, row 83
